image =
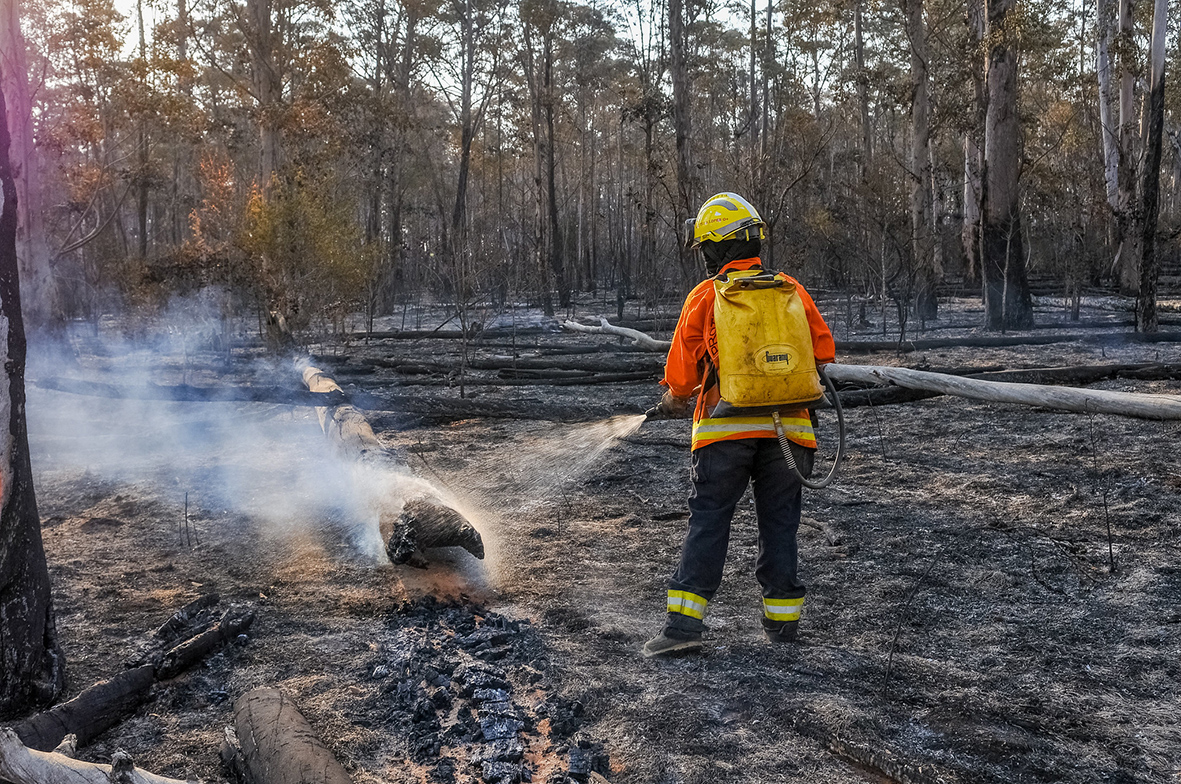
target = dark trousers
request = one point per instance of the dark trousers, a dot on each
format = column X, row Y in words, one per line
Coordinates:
column 721, row 472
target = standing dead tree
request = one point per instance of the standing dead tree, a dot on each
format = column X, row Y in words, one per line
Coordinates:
column 1006, row 288
column 31, row 666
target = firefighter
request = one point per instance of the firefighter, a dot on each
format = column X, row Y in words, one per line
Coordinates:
column 731, row 452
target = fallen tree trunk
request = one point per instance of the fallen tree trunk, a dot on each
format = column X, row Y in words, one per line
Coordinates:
column 585, row 380
column 95, row 710
column 344, row 425
column 1002, row 341
column 405, row 535
column 183, row 656
column 276, row 745
column 605, row 328
column 22, row 765
column 1087, row 401
column 557, row 362
column 186, row 393
column 433, row 409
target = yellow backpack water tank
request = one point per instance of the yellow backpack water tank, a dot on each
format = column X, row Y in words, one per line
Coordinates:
column 765, row 358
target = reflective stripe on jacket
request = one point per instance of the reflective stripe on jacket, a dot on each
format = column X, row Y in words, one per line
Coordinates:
column 695, row 347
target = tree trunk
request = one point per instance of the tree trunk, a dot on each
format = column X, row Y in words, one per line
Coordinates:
column 278, row 746
column 921, row 238
column 1087, row 401
column 555, row 240
column 1006, row 290
column 41, row 306
column 91, row 713
column 1108, row 128
column 1127, row 217
column 862, row 90
column 353, row 436
column 31, row 666
column 683, row 205
column 974, row 147
column 267, row 78
column 1146, row 317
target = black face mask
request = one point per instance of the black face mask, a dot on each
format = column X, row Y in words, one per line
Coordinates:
column 719, row 254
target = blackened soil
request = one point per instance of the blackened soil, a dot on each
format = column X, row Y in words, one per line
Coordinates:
column 993, row 597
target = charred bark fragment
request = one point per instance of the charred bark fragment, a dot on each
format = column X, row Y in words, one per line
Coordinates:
column 31, row 665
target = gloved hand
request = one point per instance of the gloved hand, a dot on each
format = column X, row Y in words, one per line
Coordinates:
column 670, row 407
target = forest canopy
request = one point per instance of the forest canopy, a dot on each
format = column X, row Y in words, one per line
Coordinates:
column 315, row 159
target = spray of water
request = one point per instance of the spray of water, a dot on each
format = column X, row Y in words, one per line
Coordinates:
column 271, row 464
column 560, row 455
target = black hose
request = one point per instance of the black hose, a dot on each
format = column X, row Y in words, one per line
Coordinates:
column 785, row 444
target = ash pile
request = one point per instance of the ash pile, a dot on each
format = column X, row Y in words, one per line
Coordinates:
column 472, row 693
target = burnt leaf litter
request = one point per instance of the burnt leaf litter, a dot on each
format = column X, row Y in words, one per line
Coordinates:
column 963, row 622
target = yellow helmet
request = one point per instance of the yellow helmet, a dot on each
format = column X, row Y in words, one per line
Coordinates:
column 725, row 216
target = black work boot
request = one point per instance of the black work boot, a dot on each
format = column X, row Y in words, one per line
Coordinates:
column 780, row 631
column 672, row 642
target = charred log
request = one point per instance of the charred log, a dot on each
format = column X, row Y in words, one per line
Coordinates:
column 423, row 524
column 96, row 709
column 1001, row 341
column 188, row 653
column 428, row 523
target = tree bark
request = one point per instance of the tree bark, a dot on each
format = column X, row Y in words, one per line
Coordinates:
column 1126, row 217
column 41, row 306
column 922, row 239
column 862, row 90
column 1107, row 98
column 974, row 147
column 1146, row 316
column 91, row 713
column 683, row 204
column 1086, row 401
column 556, row 260
column 267, row 79
column 277, row 744
column 20, row 765
column 1006, row 289
column 31, row 665
column 188, row 653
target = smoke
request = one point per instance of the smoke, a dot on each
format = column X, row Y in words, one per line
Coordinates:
column 269, row 463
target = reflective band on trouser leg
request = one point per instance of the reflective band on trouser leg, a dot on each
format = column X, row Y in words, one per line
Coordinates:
column 783, row 609
column 687, row 603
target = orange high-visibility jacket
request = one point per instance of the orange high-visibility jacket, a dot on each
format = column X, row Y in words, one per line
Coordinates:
column 695, row 351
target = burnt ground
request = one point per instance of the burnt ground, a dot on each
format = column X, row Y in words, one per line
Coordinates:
column 963, row 621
